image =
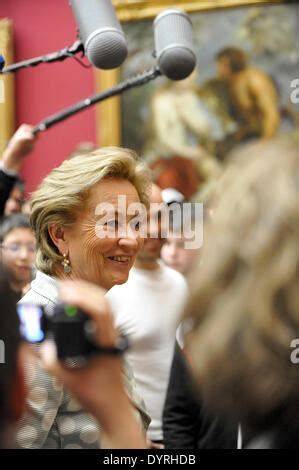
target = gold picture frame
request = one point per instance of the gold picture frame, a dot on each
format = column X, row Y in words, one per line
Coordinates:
column 108, row 112
column 7, row 99
column 136, row 10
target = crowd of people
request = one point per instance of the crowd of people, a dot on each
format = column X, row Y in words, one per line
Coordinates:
column 210, row 328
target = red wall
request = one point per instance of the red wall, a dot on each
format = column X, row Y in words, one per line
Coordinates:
column 42, row 26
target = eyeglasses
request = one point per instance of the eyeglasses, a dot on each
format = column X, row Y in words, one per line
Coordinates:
column 15, row 248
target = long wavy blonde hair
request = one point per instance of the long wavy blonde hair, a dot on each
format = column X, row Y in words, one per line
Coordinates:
column 245, row 304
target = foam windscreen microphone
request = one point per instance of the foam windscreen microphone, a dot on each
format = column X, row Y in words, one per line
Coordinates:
column 100, row 31
column 174, row 46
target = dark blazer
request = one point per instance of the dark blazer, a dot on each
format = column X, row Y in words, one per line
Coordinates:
column 186, row 423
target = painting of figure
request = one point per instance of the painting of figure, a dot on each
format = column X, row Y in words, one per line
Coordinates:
column 247, row 59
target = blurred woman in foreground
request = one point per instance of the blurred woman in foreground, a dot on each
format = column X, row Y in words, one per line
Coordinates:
column 245, row 302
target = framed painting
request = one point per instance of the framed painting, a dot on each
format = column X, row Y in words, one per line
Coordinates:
column 265, row 33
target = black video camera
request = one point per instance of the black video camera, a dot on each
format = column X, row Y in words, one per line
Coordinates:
column 70, row 327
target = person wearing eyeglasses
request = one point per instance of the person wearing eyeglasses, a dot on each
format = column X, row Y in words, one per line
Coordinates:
column 18, row 251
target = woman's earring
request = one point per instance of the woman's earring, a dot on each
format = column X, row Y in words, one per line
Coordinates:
column 66, row 264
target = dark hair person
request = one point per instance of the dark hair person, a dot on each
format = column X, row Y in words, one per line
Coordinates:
column 18, row 249
column 236, row 58
column 66, row 221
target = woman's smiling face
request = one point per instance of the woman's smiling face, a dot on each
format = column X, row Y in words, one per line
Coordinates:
column 98, row 253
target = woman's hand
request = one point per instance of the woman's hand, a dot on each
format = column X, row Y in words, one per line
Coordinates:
column 98, row 385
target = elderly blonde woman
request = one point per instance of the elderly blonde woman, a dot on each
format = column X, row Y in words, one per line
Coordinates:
column 245, row 303
column 78, row 239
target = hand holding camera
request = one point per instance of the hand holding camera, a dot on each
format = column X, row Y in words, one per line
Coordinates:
column 97, row 385
column 73, row 331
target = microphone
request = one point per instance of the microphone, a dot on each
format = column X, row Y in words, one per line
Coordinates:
column 174, row 44
column 132, row 82
column 100, row 31
column 175, row 55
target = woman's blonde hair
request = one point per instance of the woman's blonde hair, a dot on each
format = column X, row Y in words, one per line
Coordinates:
column 62, row 195
column 244, row 302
